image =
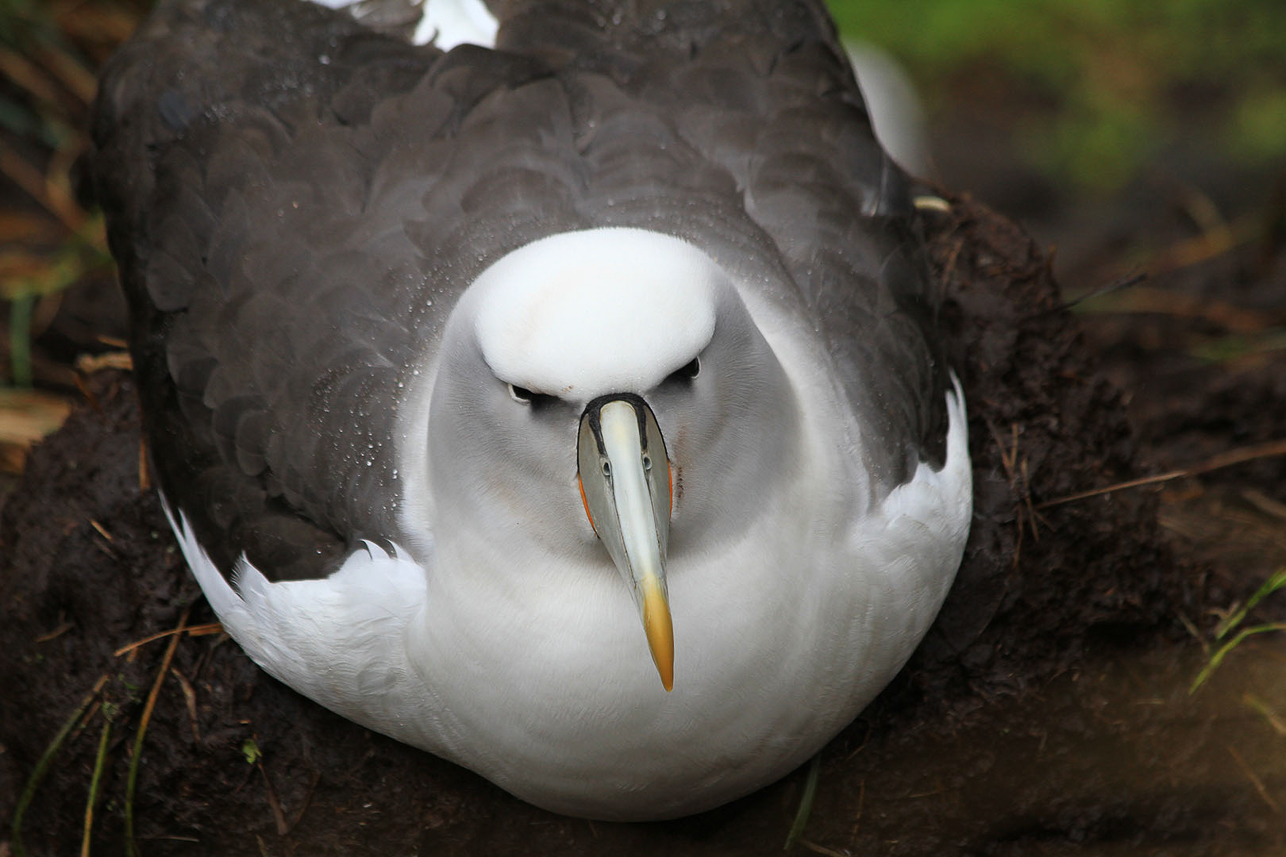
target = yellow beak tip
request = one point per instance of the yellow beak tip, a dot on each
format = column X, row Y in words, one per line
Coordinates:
column 662, row 647
column 660, row 631
column 665, row 669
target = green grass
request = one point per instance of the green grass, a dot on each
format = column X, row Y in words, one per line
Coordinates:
column 1228, row 629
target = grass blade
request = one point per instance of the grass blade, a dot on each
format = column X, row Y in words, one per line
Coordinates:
column 805, row 802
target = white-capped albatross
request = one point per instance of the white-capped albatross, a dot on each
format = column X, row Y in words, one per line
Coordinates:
column 494, row 392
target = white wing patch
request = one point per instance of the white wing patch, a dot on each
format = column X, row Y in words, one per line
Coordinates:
column 340, row 640
column 444, row 23
column 897, row 114
column 948, row 490
column 448, row 23
column 914, row 541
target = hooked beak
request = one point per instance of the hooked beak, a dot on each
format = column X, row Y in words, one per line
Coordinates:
column 624, row 477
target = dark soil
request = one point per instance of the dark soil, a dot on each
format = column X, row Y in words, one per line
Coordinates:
column 1016, row 729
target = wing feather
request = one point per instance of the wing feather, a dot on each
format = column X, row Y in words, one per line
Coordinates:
column 297, row 202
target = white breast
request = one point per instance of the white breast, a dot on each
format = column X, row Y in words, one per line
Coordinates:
column 548, row 691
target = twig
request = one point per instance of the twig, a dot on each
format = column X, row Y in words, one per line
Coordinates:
column 144, row 474
column 88, row 394
column 1273, row 718
column 1195, row 632
column 278, row 815
column 1020, row 484
column 32, row 181
column 63, row 627
column 861, row 806
column 70, row 73
column 1224, row 459
column 929, row 202
column 131, row 848
column 42, row 767
column 1208, row 245
column 86, row 720
column 194, row 631
column 28, row 76
column 1264, row 503
column 1166, row 302
column 189, row 696
column 1116, row 285
column 953, row 259
column 1254, row 779
column 88, row 364
column 312, row 788
column 102, row 531
column 1032, row 514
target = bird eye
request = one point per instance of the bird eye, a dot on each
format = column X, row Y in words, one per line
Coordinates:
column 647, row 462
column 523, row 396
column 607, row 469
column 687, row 371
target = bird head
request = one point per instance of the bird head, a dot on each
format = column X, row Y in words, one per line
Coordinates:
column 607, row 392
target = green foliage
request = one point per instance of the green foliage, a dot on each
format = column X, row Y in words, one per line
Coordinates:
column 24, row 20
column 805, row 803
column 1258, row 130
column 78, row 256
column 1115, row 73
column 250, row 749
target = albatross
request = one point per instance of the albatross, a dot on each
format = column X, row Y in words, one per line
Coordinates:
column 556, row 387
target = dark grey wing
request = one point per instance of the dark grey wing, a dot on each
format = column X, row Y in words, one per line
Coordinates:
column 840, row 212
column 297, row 202
column 738, row 125
column 234, row 147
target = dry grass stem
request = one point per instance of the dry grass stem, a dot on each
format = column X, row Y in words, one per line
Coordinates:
column 1274, row 719
column 131, row 783
column 193, row 631
column 1225, row 459
column 1254, row 779
column 189, row 697
column 88, row 364
column 55, row 200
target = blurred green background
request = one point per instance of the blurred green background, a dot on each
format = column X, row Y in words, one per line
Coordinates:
column 1100, row 86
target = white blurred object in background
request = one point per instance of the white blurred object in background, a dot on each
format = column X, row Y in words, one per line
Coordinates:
column 893, row 104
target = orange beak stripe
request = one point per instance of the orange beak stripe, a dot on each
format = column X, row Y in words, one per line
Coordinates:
column 669, row 473
column 585, row 503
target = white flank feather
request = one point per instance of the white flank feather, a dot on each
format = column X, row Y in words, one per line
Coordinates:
column 444, row 23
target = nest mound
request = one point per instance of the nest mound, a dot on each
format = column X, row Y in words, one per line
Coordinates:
column 233, row 762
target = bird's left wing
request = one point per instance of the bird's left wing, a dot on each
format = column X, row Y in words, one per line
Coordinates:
column 239, row 151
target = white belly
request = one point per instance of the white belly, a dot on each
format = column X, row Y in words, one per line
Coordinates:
column 547, row 689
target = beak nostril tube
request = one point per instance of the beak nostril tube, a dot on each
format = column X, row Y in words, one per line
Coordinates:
column 628, row 505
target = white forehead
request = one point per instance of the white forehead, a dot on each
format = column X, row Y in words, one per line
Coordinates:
column 583, row 314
